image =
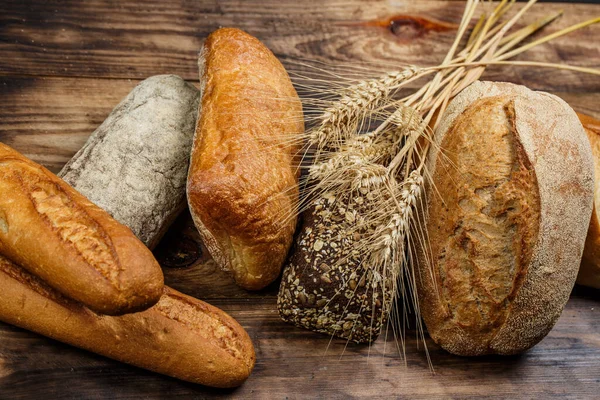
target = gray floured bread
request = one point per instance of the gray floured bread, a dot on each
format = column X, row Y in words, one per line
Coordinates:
column 506, row 232
column 135, row 164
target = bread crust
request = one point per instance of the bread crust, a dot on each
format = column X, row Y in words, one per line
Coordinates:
column 57, row 234
column 589, row 271
column 243, row 179
column 552, row 145
column 134, row 166
column 180, row 336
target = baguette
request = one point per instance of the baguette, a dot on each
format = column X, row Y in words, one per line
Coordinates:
column 507, row 216
column 180, row 336
column 57, row 234
column 589, row 271
column 243, row 179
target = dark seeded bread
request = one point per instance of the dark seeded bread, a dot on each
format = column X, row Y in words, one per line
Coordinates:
column 324, row 287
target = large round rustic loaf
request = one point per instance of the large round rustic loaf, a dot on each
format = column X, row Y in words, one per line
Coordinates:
column 135, row 164
column 508, row 211
column 589, row 271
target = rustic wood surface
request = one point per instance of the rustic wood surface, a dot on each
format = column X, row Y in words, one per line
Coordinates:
column 65, row 64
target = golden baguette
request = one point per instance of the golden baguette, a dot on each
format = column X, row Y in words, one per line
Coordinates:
column 54, row 232
column 180, row 336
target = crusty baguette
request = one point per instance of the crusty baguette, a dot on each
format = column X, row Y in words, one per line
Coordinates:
column 243, row 182
column 134, row 166
column 180, row 336
column 508, row 213
column 57, row 234
column 589, row 271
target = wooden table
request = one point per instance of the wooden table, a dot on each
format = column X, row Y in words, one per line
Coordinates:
column 65, row 64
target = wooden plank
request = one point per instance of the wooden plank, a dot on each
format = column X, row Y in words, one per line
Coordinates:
column 135, row 40
column 294, row 364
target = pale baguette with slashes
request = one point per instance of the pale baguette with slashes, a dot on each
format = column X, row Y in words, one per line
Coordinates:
column 180, row 336
column 508, row 212
column 77, row 248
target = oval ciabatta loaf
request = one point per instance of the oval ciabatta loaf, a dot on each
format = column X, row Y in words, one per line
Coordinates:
column 243, row 179
column 135, row 164
column 507, row 229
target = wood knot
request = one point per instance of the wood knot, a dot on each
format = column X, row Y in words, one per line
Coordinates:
column 411, row 26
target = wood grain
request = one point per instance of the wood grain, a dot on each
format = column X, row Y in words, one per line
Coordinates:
column 134, row 40
column 64, row 65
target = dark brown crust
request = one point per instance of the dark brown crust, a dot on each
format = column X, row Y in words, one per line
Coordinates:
column 181, row 336
column 589, row 271
column 326, row 288
column 242, row 182
column 77, row 248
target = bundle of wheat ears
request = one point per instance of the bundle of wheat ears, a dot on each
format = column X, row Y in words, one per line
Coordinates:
column 365, row 152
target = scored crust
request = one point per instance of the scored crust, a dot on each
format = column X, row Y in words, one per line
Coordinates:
column 180, row 336
column 85, row 254
column 543, row 225
column 243, row 177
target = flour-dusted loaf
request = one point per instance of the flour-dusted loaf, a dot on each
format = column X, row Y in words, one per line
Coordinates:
column 180, row 336
column 54, row 232
column 243, row 179
column 589, row 271
column 507, row 219
column 135, row 164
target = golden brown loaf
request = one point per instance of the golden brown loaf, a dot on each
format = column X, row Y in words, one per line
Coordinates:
column 506, row 232
column 180, row 336
column 76, row 247
column 589, row 271
column 242, row 184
